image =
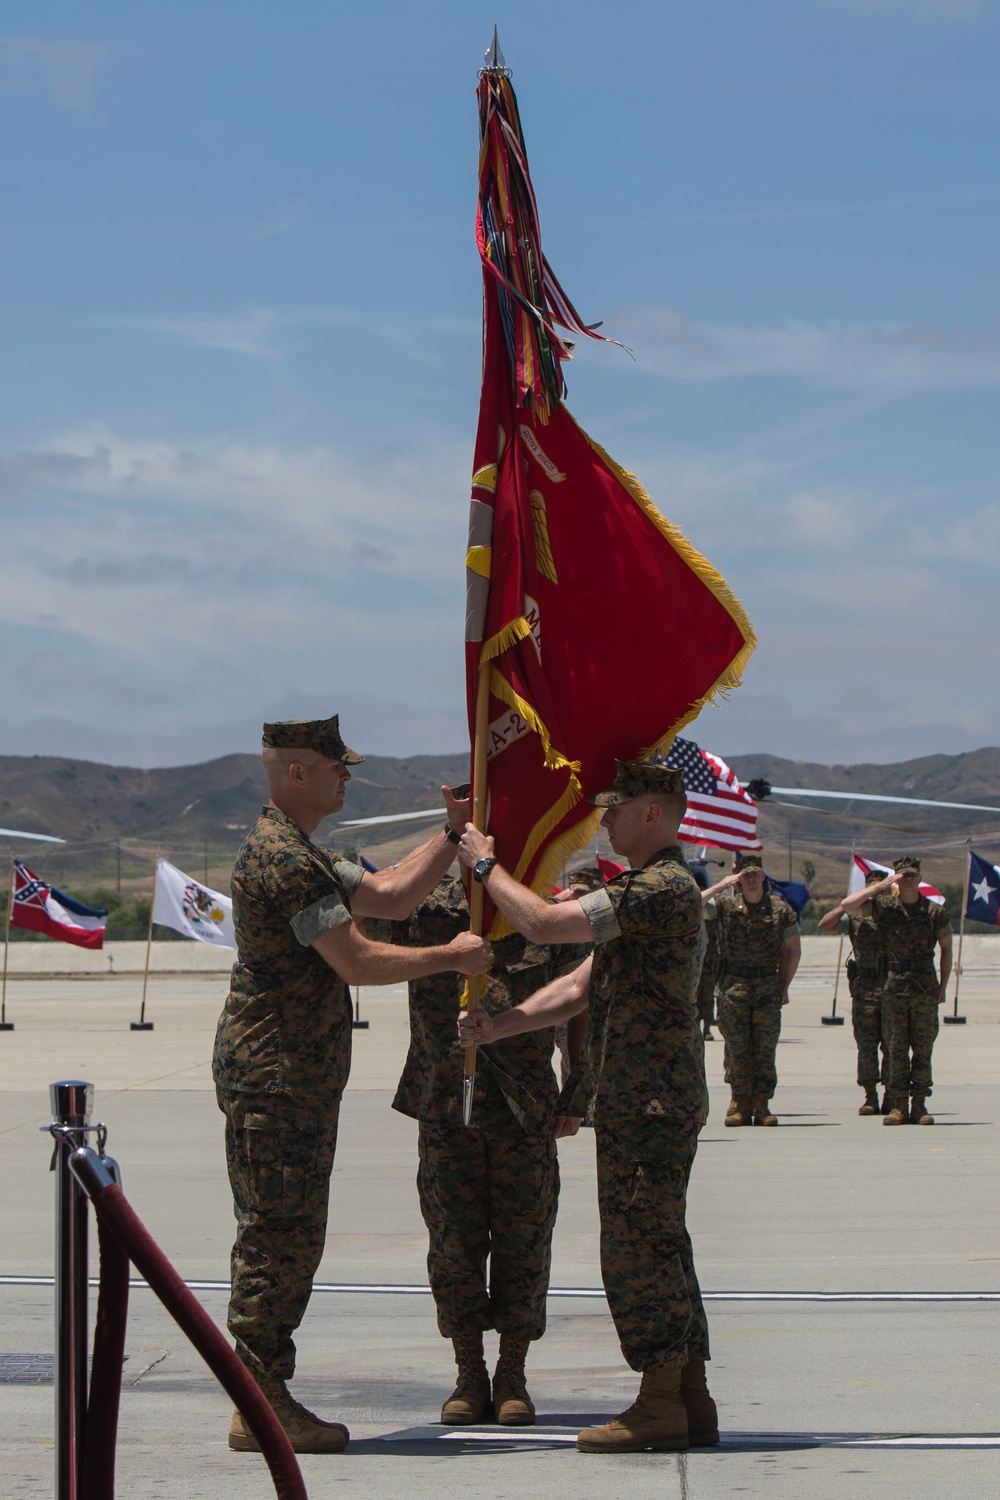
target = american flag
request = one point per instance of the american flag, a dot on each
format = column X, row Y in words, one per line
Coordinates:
column 719, row 811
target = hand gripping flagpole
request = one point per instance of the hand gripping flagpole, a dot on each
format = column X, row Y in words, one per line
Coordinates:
column 479, row 813
column 955, row 1019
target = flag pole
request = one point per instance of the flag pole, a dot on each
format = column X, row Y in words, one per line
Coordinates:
column 142, row 1024
column 833, row 1019
column 6, row 1025
column 473, row 986
column 955, row 1019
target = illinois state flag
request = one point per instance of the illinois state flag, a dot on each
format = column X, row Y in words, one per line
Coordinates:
column 983, row 901
column 192, row 909
column 594, row 630
column 39, row 907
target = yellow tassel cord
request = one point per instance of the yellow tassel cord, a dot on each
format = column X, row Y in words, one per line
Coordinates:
column 501, row 688
column 479, row 560
column 710, row 577
column 517, row 630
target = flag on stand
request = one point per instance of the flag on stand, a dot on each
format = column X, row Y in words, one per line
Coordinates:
column 794, row 892
column 860, row 868
column 983, row 903
column 602, row 630
column 39, row 907
column 720, row 811
column 192, row 909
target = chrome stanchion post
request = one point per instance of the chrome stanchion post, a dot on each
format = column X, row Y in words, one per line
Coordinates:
column 72, row 1102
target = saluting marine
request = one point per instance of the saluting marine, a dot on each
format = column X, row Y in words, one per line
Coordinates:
column 759, row 938
column 865, row 977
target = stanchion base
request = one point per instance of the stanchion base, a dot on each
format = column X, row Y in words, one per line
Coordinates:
column 832, row 1020
column 140, row 1026
column 6, row 1025
column 359, row 1025
column 953, row 1020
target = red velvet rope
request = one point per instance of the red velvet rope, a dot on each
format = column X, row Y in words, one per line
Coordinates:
column 114, row 1213
column 101, row 1429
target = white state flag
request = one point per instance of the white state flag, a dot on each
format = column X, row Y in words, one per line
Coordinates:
column 190, row 908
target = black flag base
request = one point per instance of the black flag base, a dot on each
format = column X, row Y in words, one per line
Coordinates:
column 832, row 1020
column 6, row 1025
column 140, row 1026
column 953, row 1020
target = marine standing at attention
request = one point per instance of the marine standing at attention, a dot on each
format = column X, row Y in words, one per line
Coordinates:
column 865, row 976
column 283, row 1045
column 759, row 937
column 910, row 927
column 489, row 1191
column 645, row 1056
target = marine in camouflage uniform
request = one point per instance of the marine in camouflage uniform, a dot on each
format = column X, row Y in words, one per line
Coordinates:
column 281, row 1061
column 909, row 932
column 488, row 1194
column 753, row 936
column 865, row 977
column 644, row 1067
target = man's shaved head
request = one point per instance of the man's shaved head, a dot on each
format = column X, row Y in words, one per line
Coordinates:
column 304, row 783
column 276, row 762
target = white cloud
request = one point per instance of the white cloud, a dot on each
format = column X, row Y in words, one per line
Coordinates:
column 250, row 332
column 69, row 69
column 887, row 357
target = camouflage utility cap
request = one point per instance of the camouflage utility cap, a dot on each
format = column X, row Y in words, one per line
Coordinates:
column 872, row 875
column 310, row 734
column 907, row 862
column 747, row 862
column 640, row 778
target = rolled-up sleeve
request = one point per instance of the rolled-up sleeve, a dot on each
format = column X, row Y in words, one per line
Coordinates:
column 323, row 916
column 601, row 915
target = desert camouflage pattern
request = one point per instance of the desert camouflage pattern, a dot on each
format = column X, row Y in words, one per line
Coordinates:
column 286, row 1025
column 488, row 1195
column 644, row 1050
column 750, row 936
column 647, row 1263
column 909, row 934
column 279, row 1152
column 866, row 977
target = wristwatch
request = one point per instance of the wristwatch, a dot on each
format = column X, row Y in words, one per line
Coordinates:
column 484, row 866
column 451, row 835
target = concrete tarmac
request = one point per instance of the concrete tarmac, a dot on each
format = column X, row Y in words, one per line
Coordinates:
column 851, row 1272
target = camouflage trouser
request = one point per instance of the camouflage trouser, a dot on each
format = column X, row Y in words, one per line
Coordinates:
column 706, row 992
column 279, row 1152
column 750, row 1021
column 488, row 1194
column 910, row 1017
column 647, row 1263
column 871, row 1035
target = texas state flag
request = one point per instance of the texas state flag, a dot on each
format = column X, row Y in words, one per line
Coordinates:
column 39, row 907
column 983, row 902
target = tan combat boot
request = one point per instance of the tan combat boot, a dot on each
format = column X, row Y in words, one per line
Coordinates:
column 918, row 1112
column 898, row 1115
column 762, row 1113
column 469, row 1402
column 870, row 1106
column 306, row 1432
column 702, row 1415
column 656, row 1420
column 512, row 1405
column 741, row 1113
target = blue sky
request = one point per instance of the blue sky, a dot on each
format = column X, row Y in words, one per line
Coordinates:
column 240, row 319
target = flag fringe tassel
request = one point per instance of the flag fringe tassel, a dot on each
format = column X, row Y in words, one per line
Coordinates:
column 554, row 759
column 710, row 577
column 516, row 630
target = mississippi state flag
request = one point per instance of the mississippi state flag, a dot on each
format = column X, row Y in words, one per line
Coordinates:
column 39, row 907
column 983, row 903
column 860, row 868
column 720, row 811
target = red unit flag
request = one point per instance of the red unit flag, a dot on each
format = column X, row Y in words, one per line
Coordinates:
column 602, row 630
